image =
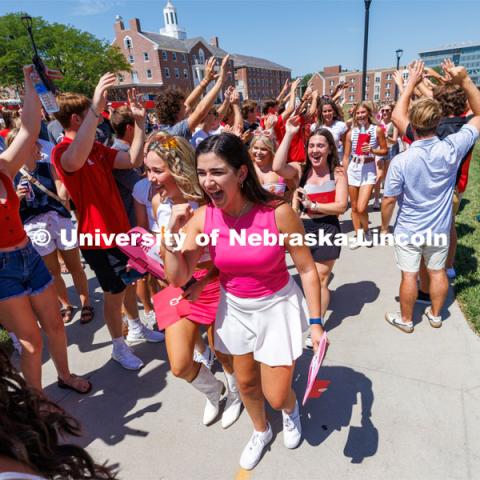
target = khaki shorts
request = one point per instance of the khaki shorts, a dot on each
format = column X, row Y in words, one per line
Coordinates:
column 408, row 257
column 457, row 200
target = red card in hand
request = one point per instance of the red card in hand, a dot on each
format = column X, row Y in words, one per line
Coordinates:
column 310, row 391
column 363, row 139
column 170, row 306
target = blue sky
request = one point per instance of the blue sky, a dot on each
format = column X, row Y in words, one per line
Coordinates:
column 304, row 35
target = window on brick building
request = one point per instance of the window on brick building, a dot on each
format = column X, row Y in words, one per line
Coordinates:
column 127, row 41
column 121, row 78
column 351, row 98
column 177, row 72
column 387, row 86
column 167, row 72
column 174, row 56
column 164, row 55
column 184, row 58
column 131, row 59
column 387, row 94
column 134, row 77
column 149, row 73
column 185, row 73
column 146, row 57
column 201, row 56
column 389, row 76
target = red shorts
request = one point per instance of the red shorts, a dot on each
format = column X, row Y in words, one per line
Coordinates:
column 204, row 309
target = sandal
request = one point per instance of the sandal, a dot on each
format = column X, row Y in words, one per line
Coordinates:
column 62, row 384
column 86, row 314
column 67, row 314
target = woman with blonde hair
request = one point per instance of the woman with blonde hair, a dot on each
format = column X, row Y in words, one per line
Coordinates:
column 170, row 166
column 363, row 143
column 281, row 182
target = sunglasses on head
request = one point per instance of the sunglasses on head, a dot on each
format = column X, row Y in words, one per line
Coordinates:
column 262, row 133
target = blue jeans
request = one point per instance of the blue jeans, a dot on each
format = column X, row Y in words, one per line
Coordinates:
column 22, row 272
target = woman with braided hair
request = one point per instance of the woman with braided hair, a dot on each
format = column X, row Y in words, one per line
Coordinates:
column 30, row 430
column 170, row 165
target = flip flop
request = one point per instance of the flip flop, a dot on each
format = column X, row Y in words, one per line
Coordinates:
column 86, row 314
column 67, row 314
column 62, row 384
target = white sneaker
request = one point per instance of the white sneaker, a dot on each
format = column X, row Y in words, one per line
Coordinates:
column 292, row 428
column 143, row 333
column 354, row 243
column 126, row 358
column 207, row 357
column 213, row 389
column 253, row 451
column 150, row 320
column 233, row 408
column 435, row 322
column 395, row 319
column 451, row 273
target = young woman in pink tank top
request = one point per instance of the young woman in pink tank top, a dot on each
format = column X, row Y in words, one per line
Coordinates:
column 262, row 313
column 27, row 294
column 170, row 165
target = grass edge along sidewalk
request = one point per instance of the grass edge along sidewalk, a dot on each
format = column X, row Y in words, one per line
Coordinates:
column 467, row 283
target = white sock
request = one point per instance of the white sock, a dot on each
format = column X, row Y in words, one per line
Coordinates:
column 134, row 324
column 118, row 342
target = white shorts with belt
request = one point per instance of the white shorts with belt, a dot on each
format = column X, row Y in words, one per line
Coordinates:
column 361, row 173
column 270, row 327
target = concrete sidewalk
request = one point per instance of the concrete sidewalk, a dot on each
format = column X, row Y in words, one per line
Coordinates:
column 398, row 406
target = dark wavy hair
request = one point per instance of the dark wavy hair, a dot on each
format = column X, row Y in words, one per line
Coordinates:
column 31, row 427
column 168, row 105
column 332, row 159
column 231, row 149
column 337, row 114
column 452, row 99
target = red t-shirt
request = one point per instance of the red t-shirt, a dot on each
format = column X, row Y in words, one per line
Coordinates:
column 4, row 132
column 94, row 192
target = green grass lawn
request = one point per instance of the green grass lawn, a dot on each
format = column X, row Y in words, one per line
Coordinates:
column 467, row 284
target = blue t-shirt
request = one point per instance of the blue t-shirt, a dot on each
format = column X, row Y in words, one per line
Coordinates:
column 180, row 129
column 423, row 179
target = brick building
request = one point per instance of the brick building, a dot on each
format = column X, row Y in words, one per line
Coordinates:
column 257, row 78
column 380, row 86
column 169, row 58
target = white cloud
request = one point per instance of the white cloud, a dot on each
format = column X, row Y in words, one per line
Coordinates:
column 93, row 7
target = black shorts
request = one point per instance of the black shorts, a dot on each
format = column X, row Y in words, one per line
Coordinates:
column 329, row 225
column 108, row 264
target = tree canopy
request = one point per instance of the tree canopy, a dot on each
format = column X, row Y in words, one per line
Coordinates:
column 81, row 57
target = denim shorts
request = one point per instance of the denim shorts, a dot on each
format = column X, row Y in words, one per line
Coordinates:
column 22, row 272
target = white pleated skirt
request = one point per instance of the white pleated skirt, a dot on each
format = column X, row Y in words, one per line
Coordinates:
column 269, row 327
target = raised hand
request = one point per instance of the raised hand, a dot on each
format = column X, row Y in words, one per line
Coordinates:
column 100, row 95
column 223, row 68
column 455, row 74
column 210, row 73
column 415, row 72
column 136, row 106
column 270, row 121
column 398, row 79
column 293, row 125
column 234, row 96
column 295, row 84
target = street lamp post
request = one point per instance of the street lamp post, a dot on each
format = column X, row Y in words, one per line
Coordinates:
column 399, row 53
column 365, row 47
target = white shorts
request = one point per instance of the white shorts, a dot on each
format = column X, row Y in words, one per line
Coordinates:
column 408, row 257
column 361, row 173
column 45, row 230
column 269, row 327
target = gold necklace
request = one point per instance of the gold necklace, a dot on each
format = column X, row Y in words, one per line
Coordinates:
column 242, row 211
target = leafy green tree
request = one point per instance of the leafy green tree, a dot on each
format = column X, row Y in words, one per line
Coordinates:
column 81, row 57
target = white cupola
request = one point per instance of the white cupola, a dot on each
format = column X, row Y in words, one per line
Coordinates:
column 171, row 23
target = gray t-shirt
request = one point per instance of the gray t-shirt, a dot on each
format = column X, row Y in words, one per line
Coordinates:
column 180, row 129
column 423, row 179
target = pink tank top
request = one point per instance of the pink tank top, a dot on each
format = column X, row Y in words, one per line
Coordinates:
column 247, row 271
